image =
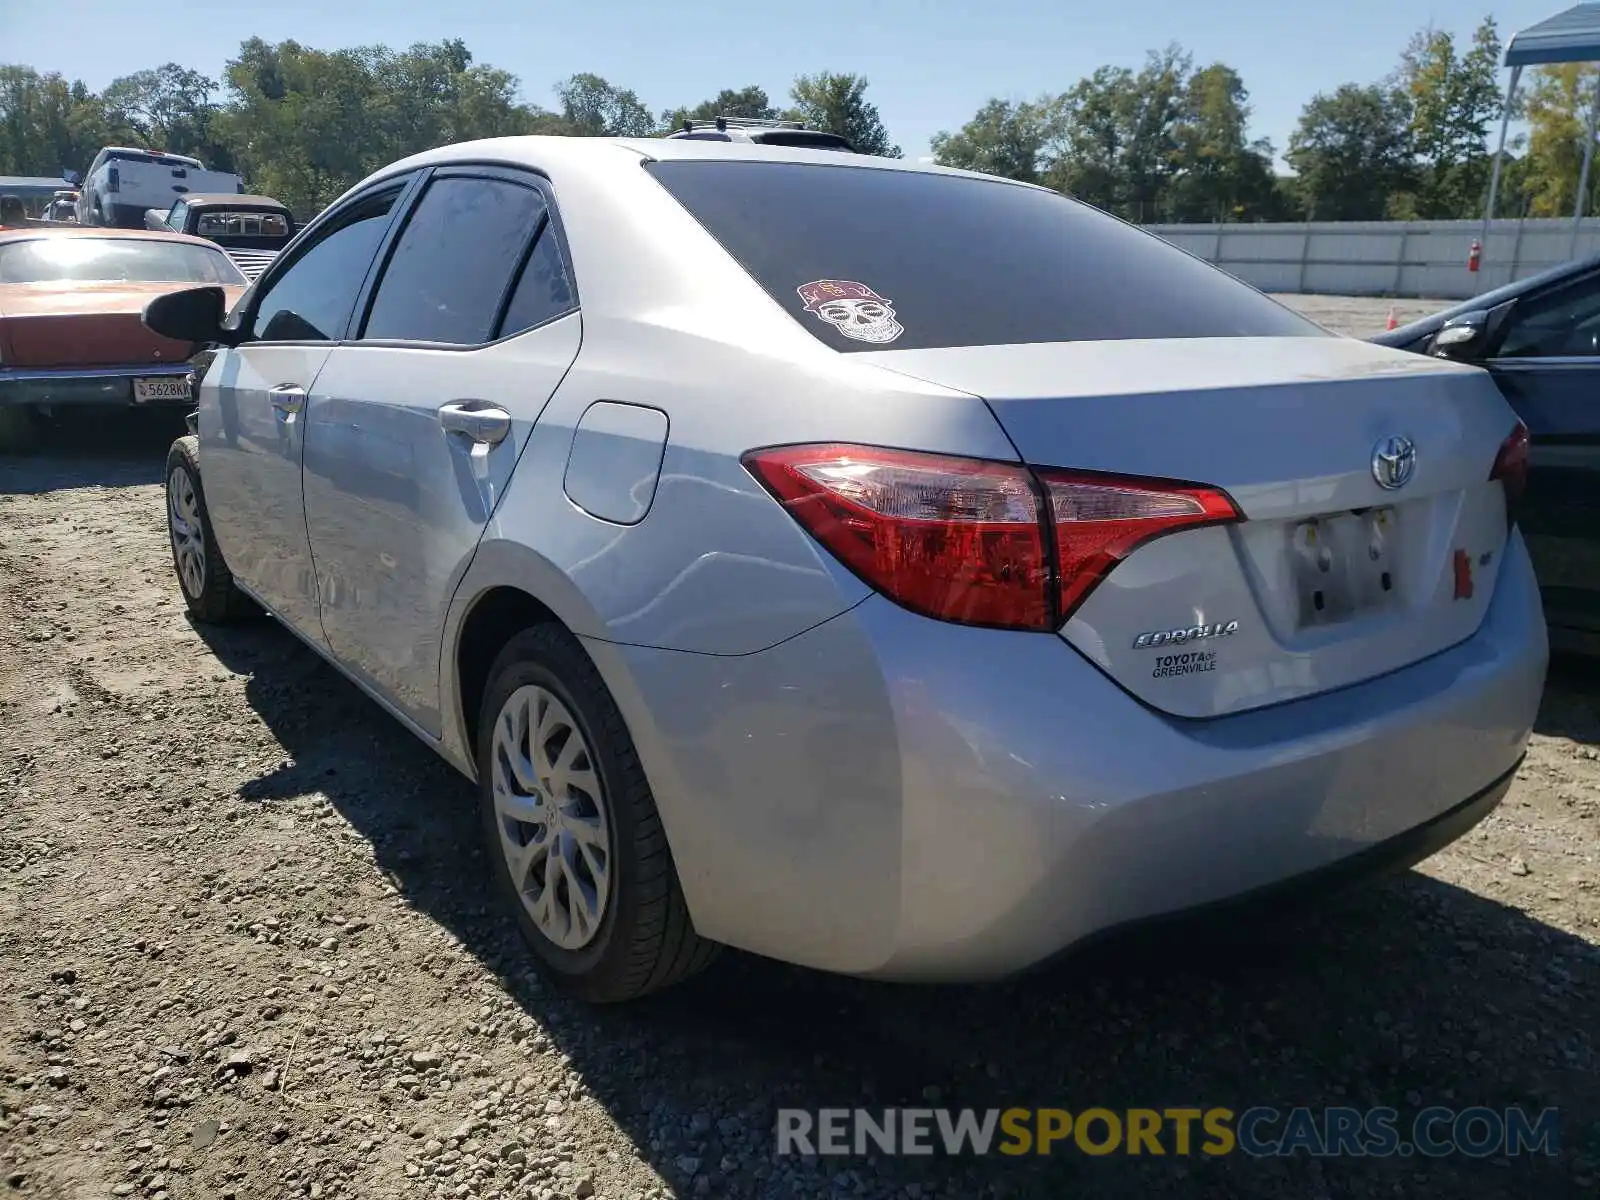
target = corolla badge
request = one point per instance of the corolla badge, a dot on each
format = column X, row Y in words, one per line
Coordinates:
column 1179, row 637
column 1394, row 461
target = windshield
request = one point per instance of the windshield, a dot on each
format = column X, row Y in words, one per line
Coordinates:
column 115, row 260
column 871, row 259
column 242, row 224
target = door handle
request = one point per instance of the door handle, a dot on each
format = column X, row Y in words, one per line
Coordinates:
column 473, row 419
column 287, row 398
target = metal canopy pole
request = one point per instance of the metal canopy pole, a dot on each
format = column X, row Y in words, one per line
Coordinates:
column 1499, row 154
column 1583, row 177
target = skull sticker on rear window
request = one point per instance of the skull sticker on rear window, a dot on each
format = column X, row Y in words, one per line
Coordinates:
column 854, row 309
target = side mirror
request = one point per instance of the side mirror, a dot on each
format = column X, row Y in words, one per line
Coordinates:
column 192, row 315
column 73, row 177
column 1462, row 339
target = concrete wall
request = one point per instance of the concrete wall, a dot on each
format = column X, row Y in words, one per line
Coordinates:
column 1384, row 258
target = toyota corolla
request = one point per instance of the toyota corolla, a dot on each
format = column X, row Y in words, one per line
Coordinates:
column 889, row 569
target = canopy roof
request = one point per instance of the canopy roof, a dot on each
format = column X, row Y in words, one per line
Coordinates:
column 1571, row 36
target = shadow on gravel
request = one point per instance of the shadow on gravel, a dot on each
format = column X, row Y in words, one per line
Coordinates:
column 109, row 448
column 1571, row 707
column 1408, row 994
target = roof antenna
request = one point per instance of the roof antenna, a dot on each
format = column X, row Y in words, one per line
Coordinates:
column 688, row 125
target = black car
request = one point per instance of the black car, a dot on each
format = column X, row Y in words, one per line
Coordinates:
column 250, row 229
column 1540, row 339
column 764, row 133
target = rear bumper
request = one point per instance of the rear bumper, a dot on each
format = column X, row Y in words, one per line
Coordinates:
column 1397, row 854
column 74, row 386
column 890, row 796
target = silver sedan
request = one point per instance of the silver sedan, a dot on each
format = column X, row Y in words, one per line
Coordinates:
column 888, row 569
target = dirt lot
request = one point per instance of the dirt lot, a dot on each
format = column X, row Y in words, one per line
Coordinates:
column 247, row 950
column 1359, row 316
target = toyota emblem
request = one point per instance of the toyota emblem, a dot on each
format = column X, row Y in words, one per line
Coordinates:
column 1394, row 461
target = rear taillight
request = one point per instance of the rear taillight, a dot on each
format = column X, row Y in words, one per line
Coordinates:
column 1511, row 464
column 113, row 180
column 971, row 541
column 1100, row 520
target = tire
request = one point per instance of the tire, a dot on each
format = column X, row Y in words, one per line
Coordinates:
column 205, row 581
column 643, row 939
column 19, row 429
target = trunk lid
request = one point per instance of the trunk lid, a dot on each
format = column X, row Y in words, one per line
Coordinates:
column 84, row 325
column 1331, row 579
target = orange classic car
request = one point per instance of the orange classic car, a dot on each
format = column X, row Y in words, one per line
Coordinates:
column 70, row 328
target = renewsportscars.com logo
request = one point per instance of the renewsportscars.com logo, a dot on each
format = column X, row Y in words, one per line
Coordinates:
column 1260, row 1132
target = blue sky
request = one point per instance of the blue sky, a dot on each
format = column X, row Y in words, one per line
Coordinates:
column 931, row 62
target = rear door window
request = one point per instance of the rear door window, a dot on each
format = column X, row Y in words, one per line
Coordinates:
column 876, row 259
column 452, row 265
column 545, row 291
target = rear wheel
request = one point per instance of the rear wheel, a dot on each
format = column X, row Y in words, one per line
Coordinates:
column 572, row 828
column 203, row 577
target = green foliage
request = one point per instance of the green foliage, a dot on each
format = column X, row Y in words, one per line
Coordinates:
column 1004, row 139
column 1351, row 151
column 1455, row 99
column 838, row 103
column 1166, row 142
column 1222, row 173
column 1170, row 142
column 1557, row 109
column 594, row 108
column 169, row 108
column 48, row 125
column 750, row 103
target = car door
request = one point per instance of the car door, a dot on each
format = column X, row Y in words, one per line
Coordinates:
column 253, row 398
column 416, row 423
column 1547, row 361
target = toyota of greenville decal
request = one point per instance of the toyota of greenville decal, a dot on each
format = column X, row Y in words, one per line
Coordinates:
column 1191, row 662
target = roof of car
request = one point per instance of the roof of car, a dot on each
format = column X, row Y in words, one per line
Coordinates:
column 185, row 158
column 551, row 151
column 34, row 232
column 230, row 200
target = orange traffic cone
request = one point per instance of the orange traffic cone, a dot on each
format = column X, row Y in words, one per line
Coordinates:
column 1393, row 321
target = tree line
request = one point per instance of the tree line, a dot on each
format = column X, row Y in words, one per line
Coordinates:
column 302, row 124
column 1171, row 142
column 1167, row 142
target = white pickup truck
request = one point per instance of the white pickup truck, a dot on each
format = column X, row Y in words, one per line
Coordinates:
column 123, row 183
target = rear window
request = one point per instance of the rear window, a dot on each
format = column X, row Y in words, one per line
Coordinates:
column 115, row 260
column 242, row 224
column 150, row 160
column 871, row 259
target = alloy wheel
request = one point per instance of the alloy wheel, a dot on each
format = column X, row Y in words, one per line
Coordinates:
column 551, row 815
column 188, row 537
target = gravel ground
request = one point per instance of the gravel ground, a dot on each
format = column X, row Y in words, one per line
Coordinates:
column 248, row 951
column 1360, row 316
